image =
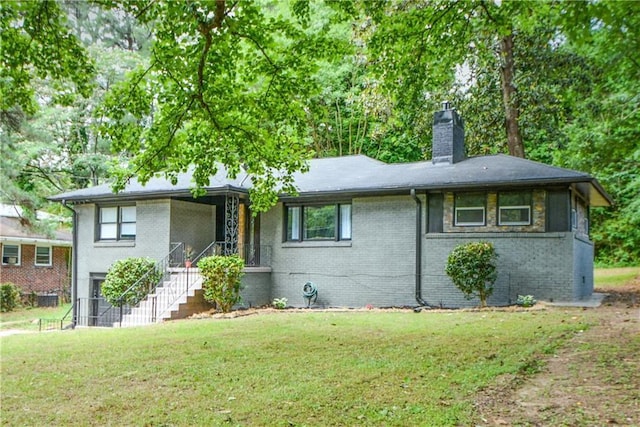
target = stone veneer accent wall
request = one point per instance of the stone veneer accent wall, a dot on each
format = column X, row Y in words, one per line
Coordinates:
column 537, row 213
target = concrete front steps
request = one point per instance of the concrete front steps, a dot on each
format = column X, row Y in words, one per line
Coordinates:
column 177, row 298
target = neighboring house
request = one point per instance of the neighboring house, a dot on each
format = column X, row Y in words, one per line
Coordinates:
column 37, row 263
column 364, row 232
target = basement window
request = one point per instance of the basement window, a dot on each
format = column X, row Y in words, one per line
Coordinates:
column 470, row 209
column 318, row 222
column 514, row 208
column 10, row 254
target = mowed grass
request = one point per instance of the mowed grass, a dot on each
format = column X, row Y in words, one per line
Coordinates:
column 615, row 277
column 27, row 318
column 283, row 369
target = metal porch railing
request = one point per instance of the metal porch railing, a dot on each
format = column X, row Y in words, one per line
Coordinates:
column 177, row 283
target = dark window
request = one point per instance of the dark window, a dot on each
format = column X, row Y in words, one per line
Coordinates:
column 558, row 217
column 10, row 254
column 514, row 208
column 43, row 255
column 470, row 209
column 436, row 224
column 117, row 223
column 318, row 222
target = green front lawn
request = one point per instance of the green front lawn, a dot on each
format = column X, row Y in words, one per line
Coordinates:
column 614, row 277
column 286, row 368
column 27, row 318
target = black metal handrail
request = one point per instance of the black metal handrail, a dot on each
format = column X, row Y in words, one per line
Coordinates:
column 45, row 321
column 177, row 279
column 188, row 277
column 161, row 266
column 253, row 255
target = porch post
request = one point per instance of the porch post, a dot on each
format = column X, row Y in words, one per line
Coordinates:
column 231, row 220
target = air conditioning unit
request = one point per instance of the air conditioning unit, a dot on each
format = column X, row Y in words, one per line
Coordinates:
column 12, row 260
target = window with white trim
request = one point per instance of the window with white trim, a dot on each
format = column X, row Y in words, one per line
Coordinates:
column 318, row 222
column 116, row 223
column 43, row 255
column 514, row 208
column 10, row 254
column 470, row 209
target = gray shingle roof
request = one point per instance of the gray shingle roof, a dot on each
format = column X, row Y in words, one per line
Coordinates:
column 360, row 174
column 11, row 229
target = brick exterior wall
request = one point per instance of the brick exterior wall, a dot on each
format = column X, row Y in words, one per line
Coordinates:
column 194, row 224
column 583, row 252
column 376, row 267
column 54, row 279
column 538, row 264
column 256, row 287
column 152, row 240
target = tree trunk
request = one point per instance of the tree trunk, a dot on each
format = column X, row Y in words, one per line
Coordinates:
column 511, row 104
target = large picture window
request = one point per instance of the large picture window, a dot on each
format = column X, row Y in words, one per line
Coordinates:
column 514, row 208
column 43, row 255
column 318, row 222
column 117, row 223
column 10, row 254
column 470, row 209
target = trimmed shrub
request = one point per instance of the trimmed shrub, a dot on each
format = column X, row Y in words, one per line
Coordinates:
column 526, row 301
column 472, row 268
column 9, row 297
column 221, row 280
column 123, row 274
column 280, row 303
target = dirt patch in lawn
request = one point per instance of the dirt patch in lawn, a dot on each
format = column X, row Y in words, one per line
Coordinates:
column 593, row 380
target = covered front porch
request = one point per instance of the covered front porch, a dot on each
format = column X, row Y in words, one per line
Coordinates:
column 215, row 225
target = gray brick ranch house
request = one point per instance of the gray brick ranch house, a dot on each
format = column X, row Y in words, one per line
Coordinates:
column 364, row 232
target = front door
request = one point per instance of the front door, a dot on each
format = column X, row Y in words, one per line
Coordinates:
column 97, row 304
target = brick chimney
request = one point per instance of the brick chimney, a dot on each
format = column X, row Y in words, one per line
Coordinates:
column 448, row 136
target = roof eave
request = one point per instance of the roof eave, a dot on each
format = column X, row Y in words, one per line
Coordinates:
column 598, row 196
column 143, row 195
column 36, row 240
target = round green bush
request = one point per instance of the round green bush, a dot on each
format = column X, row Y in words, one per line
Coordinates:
column 124, row 274
column 9, row 297
column 472, row 268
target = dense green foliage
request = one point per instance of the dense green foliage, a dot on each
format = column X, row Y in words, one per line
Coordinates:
column 157, row 87
column 9, row 297
column 221, row 280
column 55, row 75
column 226, row 87
column 130, row 280
column 472, row 268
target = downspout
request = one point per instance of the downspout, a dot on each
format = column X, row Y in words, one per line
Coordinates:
column 422, row 302
column 74, row 265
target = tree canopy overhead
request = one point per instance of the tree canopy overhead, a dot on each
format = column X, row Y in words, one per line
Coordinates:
column 227, row 84
column 260, row 87
column 36, row 42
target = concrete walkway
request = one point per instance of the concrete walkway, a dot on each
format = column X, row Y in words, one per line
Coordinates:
column 592, row 302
